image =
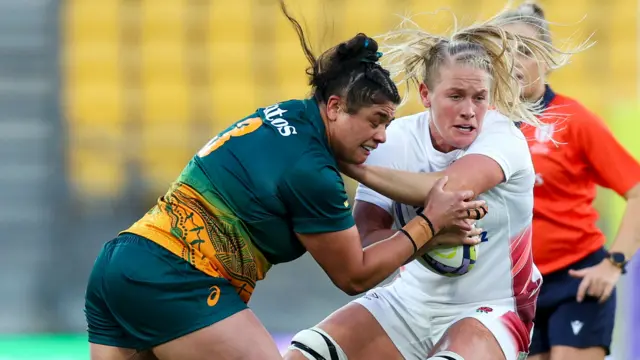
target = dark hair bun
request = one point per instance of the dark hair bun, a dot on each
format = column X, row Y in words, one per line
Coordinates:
column 360, row 48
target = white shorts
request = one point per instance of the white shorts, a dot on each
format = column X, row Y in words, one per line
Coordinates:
column 416, row 329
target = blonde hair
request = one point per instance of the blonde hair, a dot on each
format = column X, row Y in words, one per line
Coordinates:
column 415, row 56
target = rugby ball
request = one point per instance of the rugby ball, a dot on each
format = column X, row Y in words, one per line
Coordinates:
column 446, row 261
column 452, row 261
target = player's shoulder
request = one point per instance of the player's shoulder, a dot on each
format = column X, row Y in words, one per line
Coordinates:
column 411, row 122
column 572, row 113
column 495, row 117
column 499, row 125
column 293, row 117
column 296, row 127
column 568, row 103
column 411, row 128
column 314, row 170
column 406, row 139
column 292, row 136
column 501, row 140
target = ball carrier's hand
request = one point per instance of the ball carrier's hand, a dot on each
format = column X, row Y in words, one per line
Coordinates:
column 446, row 209
column 453, row 236
column 443, row 209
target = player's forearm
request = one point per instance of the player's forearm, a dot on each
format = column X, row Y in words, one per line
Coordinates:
column 384, row 257
column 401, row 186
column 628, row 239
column 379, row 235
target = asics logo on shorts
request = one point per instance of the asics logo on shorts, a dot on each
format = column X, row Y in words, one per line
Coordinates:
column 214, row 296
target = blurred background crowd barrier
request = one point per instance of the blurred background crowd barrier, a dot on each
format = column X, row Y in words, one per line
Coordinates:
column 102, row 103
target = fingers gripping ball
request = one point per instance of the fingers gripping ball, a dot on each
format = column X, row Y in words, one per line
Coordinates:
column 447, row 261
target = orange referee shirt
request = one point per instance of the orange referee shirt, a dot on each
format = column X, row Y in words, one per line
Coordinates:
column 587, row 154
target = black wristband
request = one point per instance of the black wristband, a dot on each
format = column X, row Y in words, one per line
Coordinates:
column 433, row 232
column 415, row 247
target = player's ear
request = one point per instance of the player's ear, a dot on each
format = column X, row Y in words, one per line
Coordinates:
column 334, row 105
column 424, row 95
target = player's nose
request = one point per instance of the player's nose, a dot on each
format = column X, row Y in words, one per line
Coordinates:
column 380, row 135
column 467, row 111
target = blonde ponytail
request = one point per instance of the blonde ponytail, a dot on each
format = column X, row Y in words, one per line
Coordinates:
column 414, row 56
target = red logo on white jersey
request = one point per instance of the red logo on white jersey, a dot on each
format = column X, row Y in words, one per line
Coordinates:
column 484, row 309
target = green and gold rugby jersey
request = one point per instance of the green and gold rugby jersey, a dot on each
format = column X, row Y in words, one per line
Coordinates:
column 235, row 208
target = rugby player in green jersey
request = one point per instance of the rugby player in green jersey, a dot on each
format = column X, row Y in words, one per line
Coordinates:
column 175, row 285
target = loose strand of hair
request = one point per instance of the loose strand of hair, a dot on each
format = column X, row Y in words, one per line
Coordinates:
column 405, row 52
column 304, row 42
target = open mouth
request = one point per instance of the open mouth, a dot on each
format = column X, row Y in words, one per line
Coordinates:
column 367, row 149
column 465, row 128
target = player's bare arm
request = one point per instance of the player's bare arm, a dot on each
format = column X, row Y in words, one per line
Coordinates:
column 599, row 281
column 402, row 186
column 355, row 270
column 628, row 239
column 477, row 173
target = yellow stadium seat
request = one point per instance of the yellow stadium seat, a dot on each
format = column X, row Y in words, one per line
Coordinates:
column 93, row 97
column 247, row 55
column 364, row 16
column 231, row 60
column 624, row 47
column 165, row 107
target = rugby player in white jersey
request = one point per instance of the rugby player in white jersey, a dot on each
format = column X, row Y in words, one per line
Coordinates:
column 486, row 314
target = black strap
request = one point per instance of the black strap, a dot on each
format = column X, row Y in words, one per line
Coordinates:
column 422, row 215
column 333, row 352
column 415, row 247
column 307, row 349
column 443, row 357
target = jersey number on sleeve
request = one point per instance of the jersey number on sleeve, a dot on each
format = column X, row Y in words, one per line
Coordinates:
column 242, row 128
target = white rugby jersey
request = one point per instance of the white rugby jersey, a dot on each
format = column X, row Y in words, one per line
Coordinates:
column 504, row 268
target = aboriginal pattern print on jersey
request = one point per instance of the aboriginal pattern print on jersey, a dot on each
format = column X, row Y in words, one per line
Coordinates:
column 205, row 233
